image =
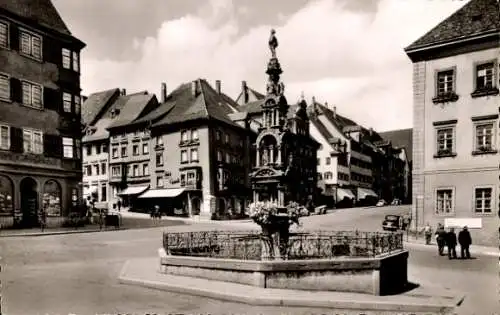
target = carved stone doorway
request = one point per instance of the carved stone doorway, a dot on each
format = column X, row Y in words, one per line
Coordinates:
column 29, row 202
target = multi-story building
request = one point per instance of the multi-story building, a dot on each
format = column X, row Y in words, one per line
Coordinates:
column 98, row 112
column 200, row 153
column 40, row 130
column 455, row 132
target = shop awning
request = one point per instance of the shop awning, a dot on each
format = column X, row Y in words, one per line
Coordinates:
column 162, row 193
column 344, row 193
column 133, row 190
column 365, row 192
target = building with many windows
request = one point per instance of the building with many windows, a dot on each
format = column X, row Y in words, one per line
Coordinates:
column 40, row 131
column 455, row 132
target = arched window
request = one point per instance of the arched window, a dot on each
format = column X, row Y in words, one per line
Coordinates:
column 6, row 196
column 52, row 198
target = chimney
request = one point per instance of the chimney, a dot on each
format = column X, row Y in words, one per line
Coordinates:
column 163, row 92
column 334, row 111
column 194, row 88
column 217, row 86
column 244, row 90
column 123, row 92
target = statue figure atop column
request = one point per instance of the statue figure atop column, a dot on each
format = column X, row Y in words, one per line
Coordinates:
column 273, row 43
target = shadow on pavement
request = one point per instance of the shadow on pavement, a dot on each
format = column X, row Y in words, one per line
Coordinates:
column 406, row 289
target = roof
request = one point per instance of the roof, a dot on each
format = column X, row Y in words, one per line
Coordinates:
column 253, row 96
column 477, row 17
column 207, row 104
column 95, row 103
column 132, row 106
column 42, row 12
column 402, row 138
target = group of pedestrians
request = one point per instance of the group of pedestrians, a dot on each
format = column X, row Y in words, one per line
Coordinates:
column 450, row 240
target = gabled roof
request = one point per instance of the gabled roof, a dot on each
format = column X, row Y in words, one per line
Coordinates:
column 42, row 12
column 253, row 95
column 252, row 107
column 477, row 17
column 132, row 107
column 402, row 138
column 95, row 103
column 207, row 104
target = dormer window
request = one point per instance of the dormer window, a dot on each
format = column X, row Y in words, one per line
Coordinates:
column 115, row 112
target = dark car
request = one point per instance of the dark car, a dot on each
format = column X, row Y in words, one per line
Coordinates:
column 393, row 223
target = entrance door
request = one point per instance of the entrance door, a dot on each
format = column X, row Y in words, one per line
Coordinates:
column 196, row 205
column 29, row 202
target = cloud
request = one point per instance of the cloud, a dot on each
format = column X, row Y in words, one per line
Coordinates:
column 350, row 58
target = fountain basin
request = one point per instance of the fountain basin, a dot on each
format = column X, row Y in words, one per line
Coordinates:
column 316, row 264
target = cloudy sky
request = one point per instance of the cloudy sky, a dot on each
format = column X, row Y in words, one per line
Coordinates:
column 348, row 53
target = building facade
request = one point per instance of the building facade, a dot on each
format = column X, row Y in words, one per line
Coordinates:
column 40, row 130
column 455, row 133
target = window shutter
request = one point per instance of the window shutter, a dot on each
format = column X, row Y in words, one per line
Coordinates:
column 51, row 99
column 52, row 50
column 15, row 90
column 58, row 149
column 16, row 139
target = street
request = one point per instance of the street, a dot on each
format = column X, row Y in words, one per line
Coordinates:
column 77, row 273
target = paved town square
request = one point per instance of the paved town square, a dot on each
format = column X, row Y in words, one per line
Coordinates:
column 78, row 273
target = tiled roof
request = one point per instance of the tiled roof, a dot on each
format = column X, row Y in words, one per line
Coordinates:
column 132, row 106
column 252, row 107
column 475, row 18
column 207, row 104
column 253, row 96
column 400, row 138
column 95, row 103
column 42, row 12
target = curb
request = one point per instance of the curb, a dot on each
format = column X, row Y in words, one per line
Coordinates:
column 428, row 305
column 58, row 233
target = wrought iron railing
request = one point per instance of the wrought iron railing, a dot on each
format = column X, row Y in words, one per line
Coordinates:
column 247, row 245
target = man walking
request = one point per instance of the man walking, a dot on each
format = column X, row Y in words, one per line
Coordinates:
column 428, row 233
column 440, row 238
column 451, row 243
column 465, row 240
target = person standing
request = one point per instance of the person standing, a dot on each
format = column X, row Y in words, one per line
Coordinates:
column 451, row 243
column 465, row 240
column 440, row 238
column 427, row 233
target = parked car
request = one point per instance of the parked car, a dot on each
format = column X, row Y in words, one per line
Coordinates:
column 381, row 203
column 393, row 223
column 320, row 210
column 396, row 202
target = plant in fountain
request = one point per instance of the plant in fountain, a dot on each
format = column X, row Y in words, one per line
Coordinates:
column 263, row 212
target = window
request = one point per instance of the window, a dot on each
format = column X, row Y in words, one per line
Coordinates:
column 4, row 87
column 159, row 140
column 145, row 169
column 194, row 135
column 78, row 104
column 484, row 137
column 129, row 170
column 105, row 148
column 104, row 191
column 219, row 156
column 51, row 199
column 136, row 170
column 444, row 201
column 145, row 148
column 445, row 84
column 445, row 141
column 31, row 45
column 320, row 176
column 328, row 161
column 32, row 141
column 184, row 156
column 194, row 155
column 115, row 171
column 66, row 58
column 89, row 150
column 184, row 136
column 114, row 152
column 328, row 175
column 67, row 102
column 318, row 161
column 4, row 35
column 217, row 135
column 4, row 137
column 103, row 168
column 67, row 147
column 76, row 61
column 124, row 151
column 135, row 149
column 96, row 169
column 159, row 181
column 483, row 200
column 484, row 76
column 228, row 158
column 226, row 138
column 32, row 94
column 159, row 159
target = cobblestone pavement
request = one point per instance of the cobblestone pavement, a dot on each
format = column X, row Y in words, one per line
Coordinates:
column 77, row 273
